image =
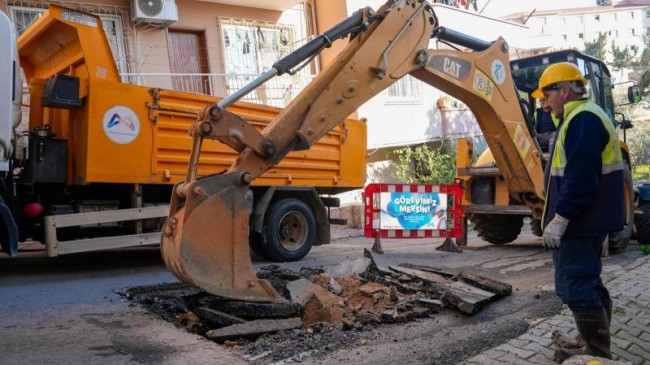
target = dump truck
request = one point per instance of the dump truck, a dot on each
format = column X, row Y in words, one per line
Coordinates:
column 497, row 217
column 95, row 167
column 384, row 46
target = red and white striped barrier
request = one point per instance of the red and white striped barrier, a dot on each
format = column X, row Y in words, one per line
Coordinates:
column 419, row 200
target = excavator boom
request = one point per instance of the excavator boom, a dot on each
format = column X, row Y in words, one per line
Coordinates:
column 205, row 240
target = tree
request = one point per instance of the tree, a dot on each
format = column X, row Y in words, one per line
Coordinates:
column 641, row 65
column 638, row 141
column 622, row 57
column 426, row 165
column 596, row 48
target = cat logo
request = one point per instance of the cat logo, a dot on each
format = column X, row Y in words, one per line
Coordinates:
column 457, row 68
column 451, row 68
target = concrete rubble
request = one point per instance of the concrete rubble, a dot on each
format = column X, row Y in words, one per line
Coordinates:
column 354, row 296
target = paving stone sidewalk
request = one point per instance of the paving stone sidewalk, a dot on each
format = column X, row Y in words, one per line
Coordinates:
column 630, row 328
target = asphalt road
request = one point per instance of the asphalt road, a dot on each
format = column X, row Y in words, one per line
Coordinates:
column 65, row 310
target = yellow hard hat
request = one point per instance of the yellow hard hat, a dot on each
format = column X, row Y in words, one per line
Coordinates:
column 558, row 72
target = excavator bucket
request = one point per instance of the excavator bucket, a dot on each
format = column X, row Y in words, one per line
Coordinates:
column 205, row 239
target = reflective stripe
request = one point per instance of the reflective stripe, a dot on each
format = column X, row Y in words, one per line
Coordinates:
column 616, row 166
column 557, row 171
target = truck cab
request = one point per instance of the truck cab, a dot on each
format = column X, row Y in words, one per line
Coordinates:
column 10, row 117
column 527, row 71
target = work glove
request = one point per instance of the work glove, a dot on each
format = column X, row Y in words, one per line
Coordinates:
column 554, row 231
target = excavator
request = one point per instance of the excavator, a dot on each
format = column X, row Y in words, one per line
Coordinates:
column 205, row 239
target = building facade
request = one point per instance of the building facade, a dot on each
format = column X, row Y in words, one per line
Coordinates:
column 623, row 23
column 204, row 46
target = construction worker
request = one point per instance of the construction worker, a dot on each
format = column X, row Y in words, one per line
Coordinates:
column 546, row 123
column 584, row 202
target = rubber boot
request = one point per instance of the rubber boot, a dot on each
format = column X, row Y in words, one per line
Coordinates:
column 607, row 303
column 563, row 340
column 593, row 325
column 605, row 298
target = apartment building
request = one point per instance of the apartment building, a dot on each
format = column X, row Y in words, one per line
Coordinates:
column 625, row 23
column 204, row 46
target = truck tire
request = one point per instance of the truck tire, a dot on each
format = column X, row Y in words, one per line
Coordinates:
column 618, row 241
column 497, row 228
column 642, row 222
column 289, row 230
column 536, row 227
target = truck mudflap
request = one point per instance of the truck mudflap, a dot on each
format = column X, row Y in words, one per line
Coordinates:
column 8, row 230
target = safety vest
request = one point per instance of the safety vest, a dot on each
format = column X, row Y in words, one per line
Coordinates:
column 607, row 212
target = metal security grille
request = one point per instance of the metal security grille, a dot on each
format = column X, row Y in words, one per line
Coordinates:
column 250, row 48
column 115, row 21
column 406, row 89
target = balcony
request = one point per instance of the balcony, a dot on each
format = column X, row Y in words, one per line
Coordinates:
column 278, row 92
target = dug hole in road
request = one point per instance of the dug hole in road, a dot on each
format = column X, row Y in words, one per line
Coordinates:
column 72, row 310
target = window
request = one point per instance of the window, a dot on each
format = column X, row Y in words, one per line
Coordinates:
column 251, row 47
column 633, row 31
column 407, row 89
column 22, row 17
column 647, row 13
column 112, row 25
column 581, row 35
column 632, row 14
column 615, row 17
column 597, row 18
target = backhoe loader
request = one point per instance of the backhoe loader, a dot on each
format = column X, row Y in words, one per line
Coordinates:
column 205, row 239
column 497, row 217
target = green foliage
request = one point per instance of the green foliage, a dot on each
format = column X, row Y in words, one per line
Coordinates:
column 638, row 141
column 425, row 165
column 645, row 249
column 596, row 48
column 622, row 57
column 640, row 172
column 642, row 65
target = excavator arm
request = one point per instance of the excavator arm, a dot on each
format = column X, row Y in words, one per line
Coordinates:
column 205, row 240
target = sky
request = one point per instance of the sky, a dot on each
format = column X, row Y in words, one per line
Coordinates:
column 497, row 8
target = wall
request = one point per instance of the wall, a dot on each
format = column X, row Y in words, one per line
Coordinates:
column 196, row 16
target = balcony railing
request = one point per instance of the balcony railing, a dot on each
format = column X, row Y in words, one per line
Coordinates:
column 278, row 91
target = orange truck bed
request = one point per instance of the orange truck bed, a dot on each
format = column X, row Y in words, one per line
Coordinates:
column 125, row 133
column 127, row 145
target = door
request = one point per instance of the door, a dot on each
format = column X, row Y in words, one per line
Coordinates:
column 188, row 61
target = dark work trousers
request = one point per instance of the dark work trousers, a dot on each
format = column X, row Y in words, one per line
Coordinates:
column 577, row 272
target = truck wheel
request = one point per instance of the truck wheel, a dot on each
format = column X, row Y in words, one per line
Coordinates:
column 290, row 230
column 642, row 222
column 618, row 241
column 497, row 228
column 536, row 227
